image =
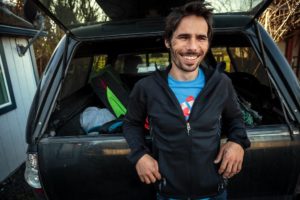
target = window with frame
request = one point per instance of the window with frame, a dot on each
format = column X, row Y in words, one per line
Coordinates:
column 7, row 102
column 77, row 75
column 256, row 96
column 241, row 59
column 142, row 63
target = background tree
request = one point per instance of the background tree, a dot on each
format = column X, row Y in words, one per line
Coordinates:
column 233, row 5
column 44, row 46
column 74, row 12
column 281, row 17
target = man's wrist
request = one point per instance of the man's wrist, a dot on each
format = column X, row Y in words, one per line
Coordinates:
column 243, row 145
column 135, row 155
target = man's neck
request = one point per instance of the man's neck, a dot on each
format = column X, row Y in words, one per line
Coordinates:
column 183, row 75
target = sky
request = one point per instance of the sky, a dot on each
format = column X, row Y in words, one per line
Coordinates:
column 233, row 5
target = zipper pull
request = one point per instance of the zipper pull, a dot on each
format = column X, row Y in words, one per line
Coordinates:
column 162, row 184
column 188, row 128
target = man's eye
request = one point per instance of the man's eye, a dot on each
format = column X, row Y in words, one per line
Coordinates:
column 202, row 38
column 183, row 37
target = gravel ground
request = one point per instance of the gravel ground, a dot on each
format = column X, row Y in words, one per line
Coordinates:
column 15, row 187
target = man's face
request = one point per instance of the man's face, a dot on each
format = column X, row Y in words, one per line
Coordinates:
column 189, row 43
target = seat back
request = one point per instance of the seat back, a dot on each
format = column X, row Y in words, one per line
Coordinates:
column 111, row 92
column 131, row 63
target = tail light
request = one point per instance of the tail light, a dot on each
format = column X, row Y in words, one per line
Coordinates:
column 31, row 172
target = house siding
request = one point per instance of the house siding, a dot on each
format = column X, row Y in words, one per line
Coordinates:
column 13, row 123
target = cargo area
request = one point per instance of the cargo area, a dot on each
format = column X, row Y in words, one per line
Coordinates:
column 106, row 71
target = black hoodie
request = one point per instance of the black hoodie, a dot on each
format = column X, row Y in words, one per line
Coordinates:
column 185, row 150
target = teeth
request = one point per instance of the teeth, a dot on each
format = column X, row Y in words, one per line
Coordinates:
column 190, row 57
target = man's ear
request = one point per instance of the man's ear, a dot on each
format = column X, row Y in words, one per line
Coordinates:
column 167, row 44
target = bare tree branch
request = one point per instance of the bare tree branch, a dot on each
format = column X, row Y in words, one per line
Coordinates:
column 281, row 18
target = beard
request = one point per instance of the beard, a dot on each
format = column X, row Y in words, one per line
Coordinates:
column 177, row 60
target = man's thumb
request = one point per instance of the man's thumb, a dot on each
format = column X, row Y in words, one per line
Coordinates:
column 157, row 174
column 219, row 156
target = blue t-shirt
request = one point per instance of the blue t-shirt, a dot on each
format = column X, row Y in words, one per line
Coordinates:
column 187, row 91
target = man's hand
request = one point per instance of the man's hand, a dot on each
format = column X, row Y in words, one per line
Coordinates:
column 231, row 154
column 147, row 169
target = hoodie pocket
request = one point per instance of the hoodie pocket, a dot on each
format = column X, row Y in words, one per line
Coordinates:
column 205, row 179
column 173, row 168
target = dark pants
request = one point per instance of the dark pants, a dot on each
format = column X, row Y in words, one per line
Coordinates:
column 222, row 196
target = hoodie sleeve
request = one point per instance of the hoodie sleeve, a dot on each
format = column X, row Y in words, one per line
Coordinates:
column 233, row 124
column 134, row 120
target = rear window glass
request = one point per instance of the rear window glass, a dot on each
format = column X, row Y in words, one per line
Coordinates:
column 76, row 76
column 141, row 63
column 99, row 63
column 241, row 59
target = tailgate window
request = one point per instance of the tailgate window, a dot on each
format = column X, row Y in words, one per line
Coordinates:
column 259, row 104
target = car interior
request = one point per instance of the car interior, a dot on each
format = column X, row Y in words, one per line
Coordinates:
column 126, row 61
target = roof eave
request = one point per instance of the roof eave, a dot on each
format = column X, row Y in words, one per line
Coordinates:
column 18, row 31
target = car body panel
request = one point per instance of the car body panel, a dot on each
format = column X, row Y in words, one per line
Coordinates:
column 97, row 167
column 89, row 168
column 281, row 73
column 46, row 91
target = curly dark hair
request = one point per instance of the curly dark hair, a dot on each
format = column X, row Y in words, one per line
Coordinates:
column 197, row 8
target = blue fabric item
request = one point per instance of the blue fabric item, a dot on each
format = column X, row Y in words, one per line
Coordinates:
column 92, row 118
column 114, row 126
column 187, row 91
column 222, row 196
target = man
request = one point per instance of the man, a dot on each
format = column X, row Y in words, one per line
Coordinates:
column 186, row 105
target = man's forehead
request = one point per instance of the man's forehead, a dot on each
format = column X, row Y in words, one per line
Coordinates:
column 191, row 24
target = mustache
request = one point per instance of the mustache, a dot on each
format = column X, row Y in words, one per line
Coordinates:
column 188, row 52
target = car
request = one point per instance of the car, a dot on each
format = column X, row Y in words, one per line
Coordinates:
column 98, row 62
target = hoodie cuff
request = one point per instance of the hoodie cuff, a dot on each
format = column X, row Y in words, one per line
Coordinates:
column 136, row 154
column 244, row 143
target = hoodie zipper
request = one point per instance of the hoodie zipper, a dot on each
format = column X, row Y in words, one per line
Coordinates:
column 188, row 128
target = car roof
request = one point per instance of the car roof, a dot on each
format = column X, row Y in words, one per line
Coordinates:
column 81, row 18
column 151, row 27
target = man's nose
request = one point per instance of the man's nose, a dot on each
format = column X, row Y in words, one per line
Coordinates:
column 193, row 44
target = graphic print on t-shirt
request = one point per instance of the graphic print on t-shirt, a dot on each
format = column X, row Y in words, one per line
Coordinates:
column 187, row 105
column 187, row 91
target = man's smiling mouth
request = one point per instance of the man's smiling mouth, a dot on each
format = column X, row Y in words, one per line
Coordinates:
column 194, row 57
